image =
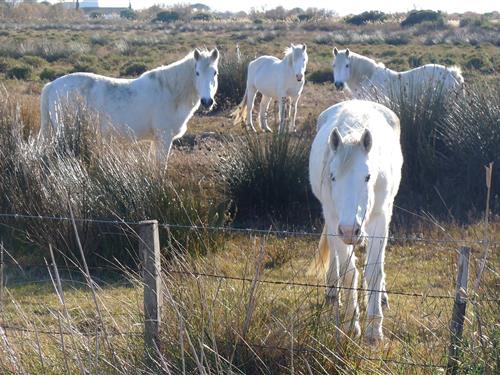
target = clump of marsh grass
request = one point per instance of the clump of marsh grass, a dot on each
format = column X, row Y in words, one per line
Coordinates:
column 267, row 178
column 99, row 177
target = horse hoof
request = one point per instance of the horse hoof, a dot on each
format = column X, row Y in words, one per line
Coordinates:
column 373, row 336
column 268, row 130
column 352, row 329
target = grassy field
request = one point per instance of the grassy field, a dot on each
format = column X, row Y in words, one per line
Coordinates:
column 239, row 322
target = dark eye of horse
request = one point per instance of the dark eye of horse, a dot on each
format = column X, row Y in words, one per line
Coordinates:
column 347, row 65
column 332, row 177
column 367, row 178
column 197, row 73
column 215, row 73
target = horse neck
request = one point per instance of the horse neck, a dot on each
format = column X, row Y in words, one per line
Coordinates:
column 178, row 79
column 288, row 61
column 362, row 68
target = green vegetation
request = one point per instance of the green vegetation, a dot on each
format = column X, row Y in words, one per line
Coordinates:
column 366, row 17
column 419, row 16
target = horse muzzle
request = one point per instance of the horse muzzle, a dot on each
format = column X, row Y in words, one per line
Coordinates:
column 299, row 77
column 207, row 102
column 350, row 234
column 339, row 85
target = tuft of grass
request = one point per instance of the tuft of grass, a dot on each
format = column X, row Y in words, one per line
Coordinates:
column 232, row 78
column 267, row 178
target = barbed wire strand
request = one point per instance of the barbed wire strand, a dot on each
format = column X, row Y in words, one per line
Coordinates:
column 244, row 230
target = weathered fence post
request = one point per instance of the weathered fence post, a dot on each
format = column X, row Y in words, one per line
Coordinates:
column 149, row 247
column 458, row 316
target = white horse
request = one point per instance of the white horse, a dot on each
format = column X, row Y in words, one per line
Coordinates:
column 366, row 78
column 274, row 79
column 160, row 102
column 355, row 170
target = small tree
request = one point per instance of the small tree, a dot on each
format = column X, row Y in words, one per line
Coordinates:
column 366, row 17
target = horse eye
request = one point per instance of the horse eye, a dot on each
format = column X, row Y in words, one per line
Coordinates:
column 347, row 66
column 215, row 73
column 332, row 177
column 197, row 73
column 367, row 178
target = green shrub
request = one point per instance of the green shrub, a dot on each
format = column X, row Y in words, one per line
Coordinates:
column 304, row 17
column 481, row 63
column 167, row 16
column 19, row 72
column 33, row 61
column 95, row 15
column 419, row 16
column 471, row 133
column 202, row 16
column 49, row 74
column 366, row 17
column 232, row 78
column 128, row 14
column 320, row 76
column 267, row 179
column 133, row 69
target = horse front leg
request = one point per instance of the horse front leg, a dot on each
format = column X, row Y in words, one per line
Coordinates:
column 282, row 114
column 250, row 102
column 377, row 229
column 264, row 106
column 349, row 281
column 293, row 116
column 162, row 147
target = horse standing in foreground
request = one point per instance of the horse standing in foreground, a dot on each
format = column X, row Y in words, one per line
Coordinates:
column 366, row 78
column 160, row 102
column 274, row 79
column 355, row 171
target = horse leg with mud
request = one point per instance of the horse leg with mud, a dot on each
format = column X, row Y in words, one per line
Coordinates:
column 264, row 107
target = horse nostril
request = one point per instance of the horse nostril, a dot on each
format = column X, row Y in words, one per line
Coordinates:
column 340, row 231
column 356, row 232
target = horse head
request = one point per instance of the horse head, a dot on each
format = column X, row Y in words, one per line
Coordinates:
column 341, row 67
column 352, row 183
column 206, row 75
column 299, row 60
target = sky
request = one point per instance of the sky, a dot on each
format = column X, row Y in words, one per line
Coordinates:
column 342, row 7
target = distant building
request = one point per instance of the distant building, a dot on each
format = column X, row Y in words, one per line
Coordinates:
column 92, row 6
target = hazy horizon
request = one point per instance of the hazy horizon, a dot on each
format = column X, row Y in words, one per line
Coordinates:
column 342, row 8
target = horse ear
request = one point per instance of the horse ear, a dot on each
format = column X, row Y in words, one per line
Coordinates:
column 215, row 54
column 335, row 140
column 347, row 52
column 366, row 140
column 196, row 54
column 335, row 51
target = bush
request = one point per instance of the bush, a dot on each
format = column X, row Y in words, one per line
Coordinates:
column 128, row 14
column 267, row 179
column 419, row 16
column 133, row 69
column 366, row 17
column 49, row 74
column 19, row 72
column 471, row 133
column 201, row 16
column 320, row 76
column 95, row 15
column 232, row 78
column 167, row 16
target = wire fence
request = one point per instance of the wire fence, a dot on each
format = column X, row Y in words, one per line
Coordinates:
column 250, row 231
column 247, row 231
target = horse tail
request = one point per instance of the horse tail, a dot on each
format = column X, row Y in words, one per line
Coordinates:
column 319, row 265
column 44, row 112
column 240, row 113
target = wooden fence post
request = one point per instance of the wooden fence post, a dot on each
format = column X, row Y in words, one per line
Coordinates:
column 149, row 247
column 458, row 316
